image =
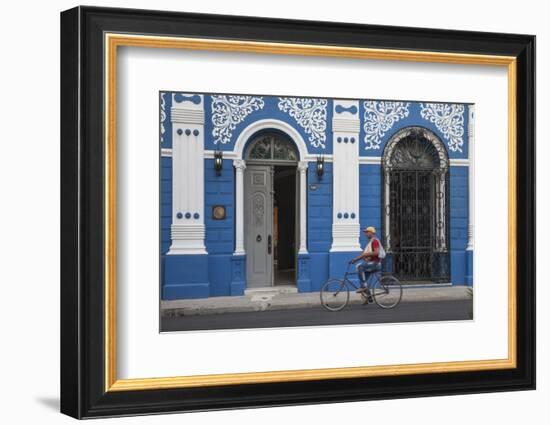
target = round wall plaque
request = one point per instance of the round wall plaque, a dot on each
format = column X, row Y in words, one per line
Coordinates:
column 218, row 212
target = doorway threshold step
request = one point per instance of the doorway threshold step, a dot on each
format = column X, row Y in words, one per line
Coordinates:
column 278, row 289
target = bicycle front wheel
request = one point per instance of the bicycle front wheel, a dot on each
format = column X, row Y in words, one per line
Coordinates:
column 334, row 295
column 387, row 292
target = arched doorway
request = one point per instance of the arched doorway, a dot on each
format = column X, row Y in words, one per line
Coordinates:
column 271, row 210
column 415, row 208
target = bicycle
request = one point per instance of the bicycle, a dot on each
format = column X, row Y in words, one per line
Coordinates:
column 385, row 289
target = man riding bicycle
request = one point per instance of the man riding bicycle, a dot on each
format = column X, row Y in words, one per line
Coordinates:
column 371, row 260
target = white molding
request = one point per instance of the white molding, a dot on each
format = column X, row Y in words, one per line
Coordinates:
column 345, row 171
column 209, row 154
column 186, row 116
column 453, row 162
column 471, row 177
column 344, row 125
column 302, row 168
column 370, row 160
column 459, row 162
column 345, row 237
column 313, row 157
column 187, row 239
column 240, row 166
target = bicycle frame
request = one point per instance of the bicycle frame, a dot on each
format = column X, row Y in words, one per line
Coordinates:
column 379, row 286
column 377, row 274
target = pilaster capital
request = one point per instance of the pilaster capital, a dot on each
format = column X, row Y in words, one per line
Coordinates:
column 345, row 116
column 187, row 108
column 239, row 164
column 302, row 166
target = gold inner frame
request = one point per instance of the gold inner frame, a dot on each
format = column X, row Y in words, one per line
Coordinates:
column 113, row 41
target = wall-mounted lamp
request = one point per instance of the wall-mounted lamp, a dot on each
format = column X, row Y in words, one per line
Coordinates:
column 218, row 162
column 320, row 166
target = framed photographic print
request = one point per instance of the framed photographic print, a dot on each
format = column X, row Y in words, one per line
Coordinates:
column 261, row 212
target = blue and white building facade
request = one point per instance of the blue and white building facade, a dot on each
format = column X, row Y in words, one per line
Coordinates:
column 268, row 191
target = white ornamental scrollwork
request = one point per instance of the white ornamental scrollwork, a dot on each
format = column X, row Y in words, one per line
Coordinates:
column 229, row 111
column 380, row 116
column 449, row 120
column 259, row 209
column 162, row 116
column 310, row 114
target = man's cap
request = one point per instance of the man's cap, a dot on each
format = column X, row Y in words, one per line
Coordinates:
column 369, row 229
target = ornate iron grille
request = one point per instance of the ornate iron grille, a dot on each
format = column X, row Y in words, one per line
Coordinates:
column 272, row 147
column 415, row 206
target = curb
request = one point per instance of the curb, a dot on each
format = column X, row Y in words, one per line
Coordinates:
column 273, row 302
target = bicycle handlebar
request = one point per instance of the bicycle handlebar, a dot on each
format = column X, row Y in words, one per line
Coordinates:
column 347, row 268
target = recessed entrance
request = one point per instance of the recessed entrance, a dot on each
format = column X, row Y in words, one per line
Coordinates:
column 416, row 208
column 284, row 225
column 270, row 211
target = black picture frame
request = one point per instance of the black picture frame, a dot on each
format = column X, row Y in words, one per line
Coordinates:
column 83, row 392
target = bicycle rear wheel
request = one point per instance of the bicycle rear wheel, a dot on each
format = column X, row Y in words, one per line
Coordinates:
column 334, row 295
column 387, row 291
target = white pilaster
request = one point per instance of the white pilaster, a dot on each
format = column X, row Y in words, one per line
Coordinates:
column 302, row 167
column 187, row 230
column 240, row 166
column 471, row 170
column 345, row 169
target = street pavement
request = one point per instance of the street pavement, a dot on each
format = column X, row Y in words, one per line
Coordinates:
column 418, row 311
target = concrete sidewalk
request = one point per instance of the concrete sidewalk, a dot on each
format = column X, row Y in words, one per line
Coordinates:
column 283, row 298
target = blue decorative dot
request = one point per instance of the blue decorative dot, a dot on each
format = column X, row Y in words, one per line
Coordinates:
column 187, row 132
column 346, row 215
column 339, row 215
column 179, row 215
column 352, row 140
column 195, row 133
column 188, row 215
column 339, row 139
column 180, row 131
column 196, row 215
column 345, row 140
column 352, row 215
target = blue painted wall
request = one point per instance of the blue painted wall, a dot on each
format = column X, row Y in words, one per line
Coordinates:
column 185, row 276
column 319, row 223
column 165, row 127
column 369, row 198
column 165, row 203
column 459, row 223
column 165, row 211
column 220, row 234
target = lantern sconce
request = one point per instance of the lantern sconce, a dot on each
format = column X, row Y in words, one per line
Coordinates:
column 320, row 166
column 218, row 162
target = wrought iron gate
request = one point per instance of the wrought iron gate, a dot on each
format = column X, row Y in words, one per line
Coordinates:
column 415, row 206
